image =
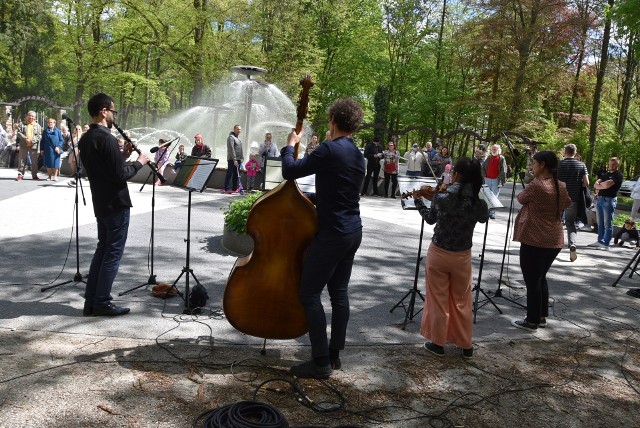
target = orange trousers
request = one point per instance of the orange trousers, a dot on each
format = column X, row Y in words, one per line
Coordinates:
column 448, row 315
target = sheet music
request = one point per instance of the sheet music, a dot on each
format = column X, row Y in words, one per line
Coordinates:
column 195, row 173
column 487, row 195
column 201, row 174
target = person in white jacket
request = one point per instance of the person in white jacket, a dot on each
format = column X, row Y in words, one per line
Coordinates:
column 415, row 159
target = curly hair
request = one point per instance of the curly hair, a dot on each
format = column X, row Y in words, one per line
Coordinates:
column 347, row 114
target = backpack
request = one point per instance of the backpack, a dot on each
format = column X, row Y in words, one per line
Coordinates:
column 198, row 298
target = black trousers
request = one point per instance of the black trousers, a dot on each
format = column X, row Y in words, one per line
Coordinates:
column 394, row 184
column 328, row 261
column 535, row 263
column 373, row 168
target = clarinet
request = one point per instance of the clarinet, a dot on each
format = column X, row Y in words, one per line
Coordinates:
column 151, row 164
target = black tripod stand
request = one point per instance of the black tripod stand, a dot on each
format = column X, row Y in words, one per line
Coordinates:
column 152, row 277
column 516, row 174
column 634, row 261
column 477, row 288
column 187, row 269
column 409, row 310
column 78, row 276
column 152, row 175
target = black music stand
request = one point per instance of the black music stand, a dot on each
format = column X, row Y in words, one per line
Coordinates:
column 634, row 261
column 152, row 277
column 152, row 280
column 492, row 202
column 194, row 174
column 78, row 276
column 408, row 184
column 516, row 175
column 409, row 310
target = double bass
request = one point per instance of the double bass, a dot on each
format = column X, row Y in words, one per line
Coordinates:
column 261, row 295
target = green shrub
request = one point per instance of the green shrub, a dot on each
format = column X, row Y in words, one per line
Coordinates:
column 625, row 200
column 235, row 216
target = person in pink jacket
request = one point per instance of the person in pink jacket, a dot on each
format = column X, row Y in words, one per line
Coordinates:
column 252, row 167
column 538, row 228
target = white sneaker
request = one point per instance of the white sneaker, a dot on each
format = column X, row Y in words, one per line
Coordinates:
column 572, row 253
column 596, row 244
column 603, row 247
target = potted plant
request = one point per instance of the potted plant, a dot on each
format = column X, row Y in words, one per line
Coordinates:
column 234, row 237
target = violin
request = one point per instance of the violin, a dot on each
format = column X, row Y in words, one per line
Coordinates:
column 427, row 192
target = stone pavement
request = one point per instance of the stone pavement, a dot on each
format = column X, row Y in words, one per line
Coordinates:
column 38, row 242
column 50, row 355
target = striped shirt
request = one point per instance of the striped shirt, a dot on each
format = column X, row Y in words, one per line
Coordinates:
column 571, row 171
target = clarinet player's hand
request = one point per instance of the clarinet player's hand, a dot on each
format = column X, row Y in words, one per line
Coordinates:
column 143, row 159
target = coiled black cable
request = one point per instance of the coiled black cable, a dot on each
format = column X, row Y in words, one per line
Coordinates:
column 243, row 414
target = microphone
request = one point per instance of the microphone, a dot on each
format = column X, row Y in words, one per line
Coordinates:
column 514, row 150
column 165, row 145
column 67, row 118
column 135, row 147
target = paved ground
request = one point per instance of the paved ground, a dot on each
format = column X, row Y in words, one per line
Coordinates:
column 37, row 248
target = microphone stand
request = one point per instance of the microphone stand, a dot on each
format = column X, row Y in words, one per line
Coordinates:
column 164, row 148
column 78, row 276
column 516, row 174
column 152, row 277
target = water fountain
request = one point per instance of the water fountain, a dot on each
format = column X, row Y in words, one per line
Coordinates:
column 259, row 107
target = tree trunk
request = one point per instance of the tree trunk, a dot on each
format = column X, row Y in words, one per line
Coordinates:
column 597, row 93
column 627, row 86
column 584, row 14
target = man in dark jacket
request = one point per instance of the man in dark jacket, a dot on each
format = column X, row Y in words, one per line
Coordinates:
column 339, row 168
column 108, row 174
column 373, row 154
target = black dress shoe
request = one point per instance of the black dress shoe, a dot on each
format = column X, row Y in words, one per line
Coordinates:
column 109, row 310
column 336, row 364
column 87, row 311
column 310, row 370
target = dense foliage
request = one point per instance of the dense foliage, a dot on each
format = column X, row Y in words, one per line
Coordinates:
column 237, row 213
column 531, row 66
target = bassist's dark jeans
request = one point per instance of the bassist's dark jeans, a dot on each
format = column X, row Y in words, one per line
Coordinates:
column 328, row 261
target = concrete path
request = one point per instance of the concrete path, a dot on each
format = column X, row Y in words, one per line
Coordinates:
column 37, row 248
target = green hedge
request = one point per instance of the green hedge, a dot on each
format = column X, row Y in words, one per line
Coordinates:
column 236, row 214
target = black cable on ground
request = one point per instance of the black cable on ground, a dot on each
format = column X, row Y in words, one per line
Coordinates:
column 242, row 414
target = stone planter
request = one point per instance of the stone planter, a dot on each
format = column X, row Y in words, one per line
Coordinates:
column 237, row 243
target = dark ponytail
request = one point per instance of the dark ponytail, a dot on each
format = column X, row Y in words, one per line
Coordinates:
column 470, row 171
column 550, row 161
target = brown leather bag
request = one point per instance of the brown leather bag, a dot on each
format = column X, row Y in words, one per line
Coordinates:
column 163, row 290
